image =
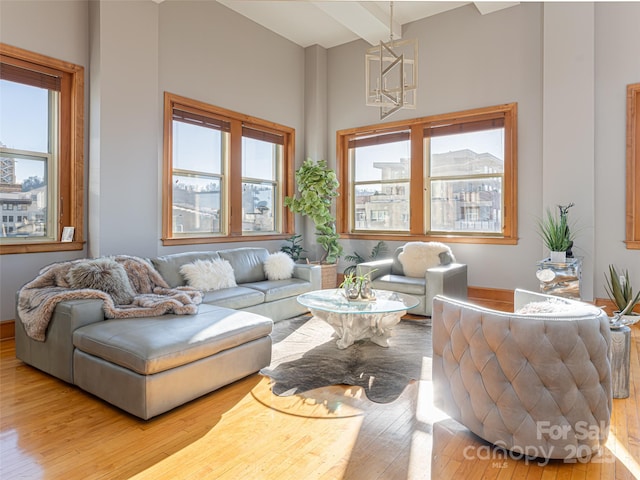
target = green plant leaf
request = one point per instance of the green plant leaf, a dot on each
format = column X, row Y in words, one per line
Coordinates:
column 620, row 291
column 317, row 186
column 555, row 232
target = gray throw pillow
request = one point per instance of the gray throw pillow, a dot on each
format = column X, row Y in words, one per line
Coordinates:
column 103, row 274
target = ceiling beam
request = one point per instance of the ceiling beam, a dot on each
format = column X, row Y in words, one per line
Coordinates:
column 489, row 7
column 365, row 19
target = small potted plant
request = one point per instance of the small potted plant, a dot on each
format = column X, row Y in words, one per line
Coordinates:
column 358, row 286
column 366, row 290
column 556, row 235
column 351, row 286
column 620, row 292
column 294, row 247
column 378, row 249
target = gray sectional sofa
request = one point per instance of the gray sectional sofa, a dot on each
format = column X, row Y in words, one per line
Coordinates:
column 147, row 366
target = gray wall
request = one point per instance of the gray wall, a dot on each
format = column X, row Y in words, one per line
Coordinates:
column 617, row 65
column 126, row 130
column 567, row 65
column 28, row 25
column 133, row 51
column 568, row 122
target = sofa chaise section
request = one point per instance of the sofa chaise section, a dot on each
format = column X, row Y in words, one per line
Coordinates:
column 148, row 366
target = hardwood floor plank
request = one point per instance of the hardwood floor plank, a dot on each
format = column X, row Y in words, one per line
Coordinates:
column 49, row 429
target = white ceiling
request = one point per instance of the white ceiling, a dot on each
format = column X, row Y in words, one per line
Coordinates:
column 332, row 23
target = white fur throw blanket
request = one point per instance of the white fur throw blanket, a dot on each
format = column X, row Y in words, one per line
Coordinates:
column 417, row 257
column 152, row 296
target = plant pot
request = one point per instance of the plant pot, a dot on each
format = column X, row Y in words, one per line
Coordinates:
column 352, row 292
column 628, row 319
column 558, row 257
column 366, row 292
column 329, row 275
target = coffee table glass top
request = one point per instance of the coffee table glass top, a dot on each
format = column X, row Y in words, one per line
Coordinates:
column 334, row 300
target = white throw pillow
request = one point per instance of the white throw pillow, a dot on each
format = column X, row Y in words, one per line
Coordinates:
column 207, row 275
column 278, row 266
column 417, row 257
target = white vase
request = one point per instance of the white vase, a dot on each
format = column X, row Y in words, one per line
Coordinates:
column 558, row 257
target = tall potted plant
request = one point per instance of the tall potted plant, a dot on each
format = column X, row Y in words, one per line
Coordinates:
column 317, row 186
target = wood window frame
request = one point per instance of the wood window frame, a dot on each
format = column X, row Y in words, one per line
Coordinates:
column 70, row 176
column 417, row 126
column 633, row 168
column 238, row 123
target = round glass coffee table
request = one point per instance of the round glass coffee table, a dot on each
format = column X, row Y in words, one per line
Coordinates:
column 359, row 319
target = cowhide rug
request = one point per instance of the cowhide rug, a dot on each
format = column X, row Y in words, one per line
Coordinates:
column 305, row 356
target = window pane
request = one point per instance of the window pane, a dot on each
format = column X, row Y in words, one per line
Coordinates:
column 23, row 188
column 197, row 149
column 467, row 205
column 24, row 117
column 388, row 161
column 468, row 153
column 382, row 206
column 196, row 204
column 257, row 207
column 259, row 159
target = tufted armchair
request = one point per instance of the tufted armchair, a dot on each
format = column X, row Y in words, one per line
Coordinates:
column 429, row 271
column 537, row 382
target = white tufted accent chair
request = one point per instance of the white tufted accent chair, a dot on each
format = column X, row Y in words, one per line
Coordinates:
column 537, row 384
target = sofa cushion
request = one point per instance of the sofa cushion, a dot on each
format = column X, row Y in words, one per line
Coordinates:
column 247, row 263
column 169, row 265
column 155, row 344
column 236, row 297
column 400, row 283
column 278, row 289
column 207, row 275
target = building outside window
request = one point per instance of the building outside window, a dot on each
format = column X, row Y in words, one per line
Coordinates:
column 41, row 150
column 226, row 172
column 262, row 158
column 447, row 176
column 200, row 149
column 381, row 172
column 466, row 169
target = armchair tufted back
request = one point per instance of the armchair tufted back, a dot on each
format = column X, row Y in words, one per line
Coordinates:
column 535, row 384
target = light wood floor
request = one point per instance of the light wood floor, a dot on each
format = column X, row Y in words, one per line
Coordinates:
column 52, row 430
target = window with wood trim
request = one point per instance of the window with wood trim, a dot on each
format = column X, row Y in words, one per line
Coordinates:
column 41, row 151
column 633, row 167
column 226, row 174
column 449, row 177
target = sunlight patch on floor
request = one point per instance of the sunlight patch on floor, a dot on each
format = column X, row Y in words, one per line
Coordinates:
column 228, row 452
column 623, row 455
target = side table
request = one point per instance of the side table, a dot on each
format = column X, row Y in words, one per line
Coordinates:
column 560, row 278
column 620, row 361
